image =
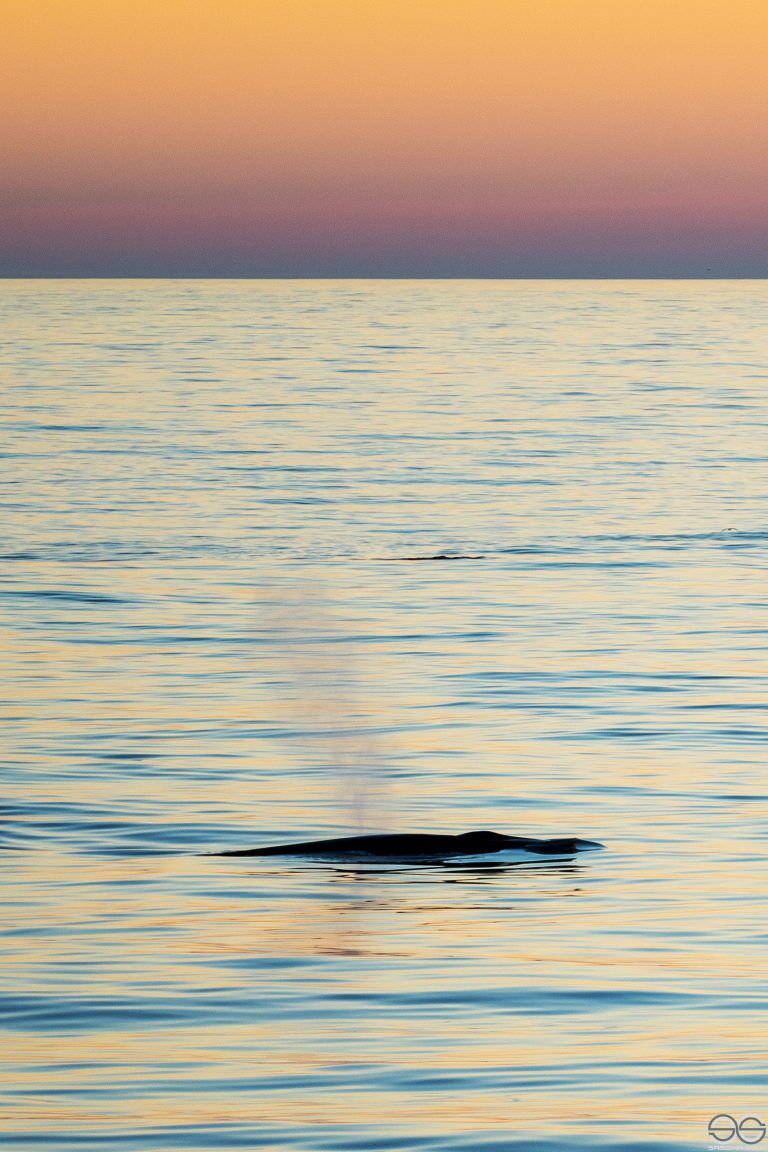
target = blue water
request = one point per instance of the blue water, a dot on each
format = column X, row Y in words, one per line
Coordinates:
column 291, row 559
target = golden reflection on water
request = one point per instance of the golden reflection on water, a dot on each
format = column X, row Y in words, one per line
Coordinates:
column 217, row 636
column 398, row 944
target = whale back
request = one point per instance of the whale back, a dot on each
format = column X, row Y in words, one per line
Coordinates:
column 418, row 844
column 485, row 841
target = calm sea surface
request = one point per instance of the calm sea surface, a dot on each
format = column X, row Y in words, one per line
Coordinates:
column 292, row 559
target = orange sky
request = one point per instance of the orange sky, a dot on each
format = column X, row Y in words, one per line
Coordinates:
column 477, row 137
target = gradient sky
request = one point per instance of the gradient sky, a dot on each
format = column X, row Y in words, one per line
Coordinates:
column 399, row 137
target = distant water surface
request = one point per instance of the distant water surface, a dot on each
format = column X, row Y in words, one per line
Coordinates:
column 292, row 559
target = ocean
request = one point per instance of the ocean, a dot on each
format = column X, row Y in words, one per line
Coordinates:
column 291, row 559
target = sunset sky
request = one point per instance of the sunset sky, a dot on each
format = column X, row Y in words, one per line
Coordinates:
column 390, row 138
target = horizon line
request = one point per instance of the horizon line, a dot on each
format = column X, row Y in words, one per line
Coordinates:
column 704, row 277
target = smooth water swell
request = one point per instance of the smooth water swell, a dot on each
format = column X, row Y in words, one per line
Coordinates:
column 287, row 559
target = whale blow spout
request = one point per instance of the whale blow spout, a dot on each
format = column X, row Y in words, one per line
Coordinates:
column 421, row 845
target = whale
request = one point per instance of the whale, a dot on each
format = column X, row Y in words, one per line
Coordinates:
column 421, row 845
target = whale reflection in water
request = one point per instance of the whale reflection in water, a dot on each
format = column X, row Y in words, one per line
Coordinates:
column 421, row 846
